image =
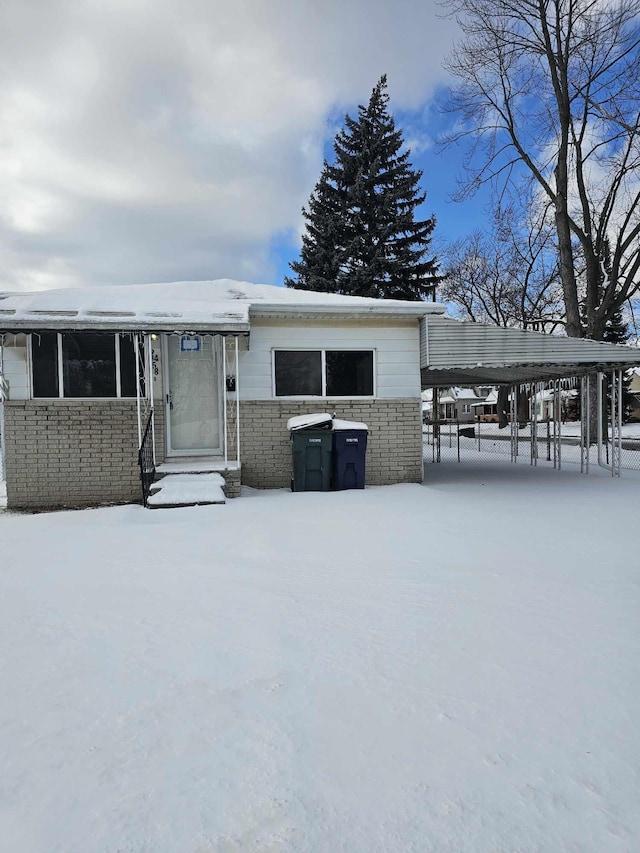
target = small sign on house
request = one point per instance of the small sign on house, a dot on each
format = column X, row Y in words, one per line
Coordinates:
column 190, row 343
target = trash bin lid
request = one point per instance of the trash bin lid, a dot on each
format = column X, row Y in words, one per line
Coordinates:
column 339, row 425
column 308, row 421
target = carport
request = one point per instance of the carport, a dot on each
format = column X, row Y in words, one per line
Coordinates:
column 530, row 364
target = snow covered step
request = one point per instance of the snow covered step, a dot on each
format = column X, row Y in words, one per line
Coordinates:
column 187, row 490
column 195, row 465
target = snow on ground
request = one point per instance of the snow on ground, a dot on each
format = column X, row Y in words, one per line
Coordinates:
column 446, row 667
column 491, row 441
column 570, row 429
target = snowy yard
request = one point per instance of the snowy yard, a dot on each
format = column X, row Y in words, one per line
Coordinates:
column 447, row 667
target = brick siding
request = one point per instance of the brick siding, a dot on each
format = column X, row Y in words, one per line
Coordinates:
column 65, row 453
column 394, row 448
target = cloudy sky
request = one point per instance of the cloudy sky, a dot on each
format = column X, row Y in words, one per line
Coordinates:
column 161, row 140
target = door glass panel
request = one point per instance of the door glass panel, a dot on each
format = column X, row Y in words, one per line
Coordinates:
column 194, row 414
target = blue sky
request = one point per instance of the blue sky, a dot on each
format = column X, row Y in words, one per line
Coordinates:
column 178, row 139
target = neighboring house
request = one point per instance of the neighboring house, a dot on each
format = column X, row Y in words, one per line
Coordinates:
column 634, row 394
column 543, row 402
column 214, row 368
column 486, row 410
column 455, row 404
column 203, row 377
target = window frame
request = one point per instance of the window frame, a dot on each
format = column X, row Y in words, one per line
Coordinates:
column 115, row 336
column 323, row 370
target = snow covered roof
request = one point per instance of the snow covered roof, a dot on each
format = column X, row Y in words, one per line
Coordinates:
column 217, row 306
column 464, row 394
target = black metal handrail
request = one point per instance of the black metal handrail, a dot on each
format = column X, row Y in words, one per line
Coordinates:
column 145, row 460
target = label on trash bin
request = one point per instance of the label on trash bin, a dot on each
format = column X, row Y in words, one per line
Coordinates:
column 314, row 440
column 351, row 440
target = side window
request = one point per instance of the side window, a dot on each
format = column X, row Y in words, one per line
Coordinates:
column 323, row 373
column 349, row 373
column 44, row 364
column 298, row 373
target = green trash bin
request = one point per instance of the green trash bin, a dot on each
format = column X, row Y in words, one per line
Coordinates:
column 312, row 456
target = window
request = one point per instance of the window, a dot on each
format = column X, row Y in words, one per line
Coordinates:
column 83, row 364
column 466, row 408
column 323, row 373
column 298, row 373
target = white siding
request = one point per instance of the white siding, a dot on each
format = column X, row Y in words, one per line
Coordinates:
column 16, row 366
column 396, row 345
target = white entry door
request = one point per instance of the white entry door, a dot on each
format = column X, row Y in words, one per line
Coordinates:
column 193, row 398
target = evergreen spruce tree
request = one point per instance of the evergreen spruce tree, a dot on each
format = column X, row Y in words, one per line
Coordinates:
column 362, row 237
column 320, row 257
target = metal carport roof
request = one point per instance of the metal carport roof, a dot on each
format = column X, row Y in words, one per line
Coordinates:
column 455, row 352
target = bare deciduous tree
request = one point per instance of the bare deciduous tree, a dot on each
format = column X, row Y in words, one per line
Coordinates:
column 508, row 275
column 550, row 90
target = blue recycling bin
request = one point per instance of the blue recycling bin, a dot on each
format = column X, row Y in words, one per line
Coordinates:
column 349, row 453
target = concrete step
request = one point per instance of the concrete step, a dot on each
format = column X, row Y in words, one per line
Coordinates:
column 175, row 490
column 195, row 465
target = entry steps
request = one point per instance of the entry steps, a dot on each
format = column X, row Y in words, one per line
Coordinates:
column 189, row 482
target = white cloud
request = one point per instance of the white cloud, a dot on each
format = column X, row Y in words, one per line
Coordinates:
column 168, row 139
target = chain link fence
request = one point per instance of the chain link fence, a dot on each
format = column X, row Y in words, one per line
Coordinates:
column 552, row 437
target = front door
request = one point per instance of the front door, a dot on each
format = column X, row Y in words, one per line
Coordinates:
column 193, row 396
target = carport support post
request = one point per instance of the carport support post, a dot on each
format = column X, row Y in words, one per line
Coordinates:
column 533, row 416
column 616, row 421
column 583, row 404
column 619, row 421
column 585, row 417
column 512, row 422
column 559, row 416
column 599, row 415
column 588, row 420
column 554, row 401
column 436, row 424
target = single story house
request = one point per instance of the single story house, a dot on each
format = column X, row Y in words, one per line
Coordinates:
column 202, row 377
column 212, row 371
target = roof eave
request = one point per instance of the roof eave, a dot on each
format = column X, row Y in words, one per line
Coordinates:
column 356, row 312
column 24, row 327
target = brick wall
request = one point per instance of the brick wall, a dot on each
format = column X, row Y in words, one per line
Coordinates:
column 70, row 453
column 394, row 449
column 159, row 431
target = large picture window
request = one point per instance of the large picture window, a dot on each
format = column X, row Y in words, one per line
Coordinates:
column 83, row 364
column 323, row 373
